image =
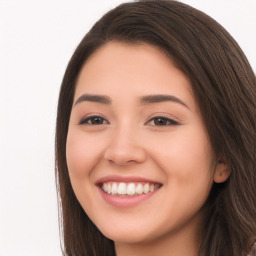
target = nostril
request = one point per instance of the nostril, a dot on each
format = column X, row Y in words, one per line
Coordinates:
column 125, row 155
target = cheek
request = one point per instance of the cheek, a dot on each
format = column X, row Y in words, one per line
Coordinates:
column 82, row 153
column 186, row 157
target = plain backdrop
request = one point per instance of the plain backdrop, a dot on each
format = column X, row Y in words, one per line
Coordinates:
column 37, row 38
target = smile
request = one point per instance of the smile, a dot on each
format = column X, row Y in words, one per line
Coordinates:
column 122, row 189
column 122, row 192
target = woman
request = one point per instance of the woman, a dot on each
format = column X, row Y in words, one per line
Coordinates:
column 155, row 137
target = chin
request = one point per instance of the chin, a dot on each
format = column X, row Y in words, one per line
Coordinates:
column 128, row 236
column 128, row 239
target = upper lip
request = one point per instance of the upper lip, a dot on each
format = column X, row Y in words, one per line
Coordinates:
column 126, row 179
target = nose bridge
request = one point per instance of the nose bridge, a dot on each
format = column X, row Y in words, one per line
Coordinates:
column 125, row 145
column 125, row 132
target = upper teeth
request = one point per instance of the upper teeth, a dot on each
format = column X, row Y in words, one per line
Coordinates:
column 128, row 189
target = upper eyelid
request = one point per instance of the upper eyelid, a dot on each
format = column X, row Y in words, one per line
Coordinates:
column 92, row 116
column 172, row 119
column 165, row 118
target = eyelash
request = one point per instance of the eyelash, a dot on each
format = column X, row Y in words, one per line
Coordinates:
column 162, row 121
column 88, row 120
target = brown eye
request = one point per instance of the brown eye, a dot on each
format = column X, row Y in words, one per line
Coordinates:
column 162, row 121
column 94, row 120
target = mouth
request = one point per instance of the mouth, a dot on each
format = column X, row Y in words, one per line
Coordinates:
column 128, row 189
column 122, row 192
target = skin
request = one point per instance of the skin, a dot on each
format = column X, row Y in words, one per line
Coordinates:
column 128, row 141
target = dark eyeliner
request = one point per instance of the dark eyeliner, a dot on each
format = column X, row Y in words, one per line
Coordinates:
column 163, row 121
column 86, row 120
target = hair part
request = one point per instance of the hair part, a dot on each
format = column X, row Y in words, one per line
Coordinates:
column 224, row 87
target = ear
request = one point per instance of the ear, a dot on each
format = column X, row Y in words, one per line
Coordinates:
column 222, row 171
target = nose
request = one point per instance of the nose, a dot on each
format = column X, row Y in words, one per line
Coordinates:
column 125, row 148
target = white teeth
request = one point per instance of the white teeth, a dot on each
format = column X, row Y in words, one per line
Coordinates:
column 114, row 188
column 109, row 188
column 128, row 189
column 121, row 188
column 146, row 188
column 139, row 189
column 151, row 188
column 105, row 187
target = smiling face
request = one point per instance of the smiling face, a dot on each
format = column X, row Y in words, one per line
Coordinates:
column 139, row 157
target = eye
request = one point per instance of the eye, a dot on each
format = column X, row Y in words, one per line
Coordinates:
column 94, row 120
column 162, row 121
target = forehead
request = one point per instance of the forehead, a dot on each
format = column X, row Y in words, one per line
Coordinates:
column 141, row 68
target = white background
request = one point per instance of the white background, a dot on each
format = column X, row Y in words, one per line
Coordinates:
column 37, row 38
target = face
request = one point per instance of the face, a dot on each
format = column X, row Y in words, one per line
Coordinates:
column 139, row 157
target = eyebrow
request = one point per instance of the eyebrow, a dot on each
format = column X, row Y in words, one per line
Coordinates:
column 161, row 98
column 148, row 99
column 94, row 98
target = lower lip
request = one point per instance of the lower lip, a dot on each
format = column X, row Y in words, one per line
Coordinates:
column 125, row 201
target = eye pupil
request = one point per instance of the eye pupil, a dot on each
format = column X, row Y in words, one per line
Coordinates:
column 97, row 120
column 160, row 121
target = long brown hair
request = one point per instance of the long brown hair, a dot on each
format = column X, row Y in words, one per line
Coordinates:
column 224, row 86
